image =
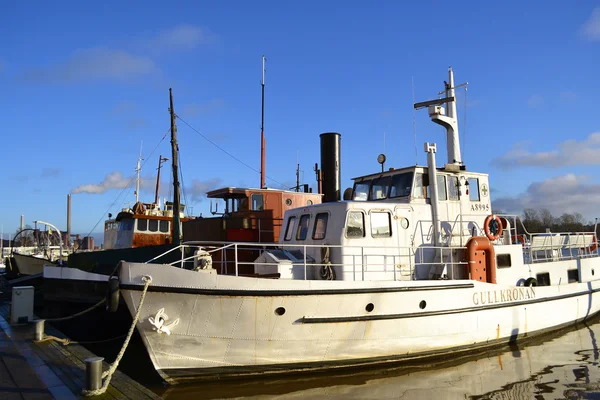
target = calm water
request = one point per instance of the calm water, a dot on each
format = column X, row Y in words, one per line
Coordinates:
column 563, row 365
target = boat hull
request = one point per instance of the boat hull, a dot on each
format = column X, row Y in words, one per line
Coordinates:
column 30, row 265
column 239, row 326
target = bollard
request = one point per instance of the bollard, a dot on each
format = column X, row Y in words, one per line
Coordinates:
column 39, row 330
column 93, row 373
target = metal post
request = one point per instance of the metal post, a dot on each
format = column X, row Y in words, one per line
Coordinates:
column 93, row 373
column 39, row 330
column 235, row 249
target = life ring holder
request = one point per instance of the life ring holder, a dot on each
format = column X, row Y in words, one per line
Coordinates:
column 487, row 230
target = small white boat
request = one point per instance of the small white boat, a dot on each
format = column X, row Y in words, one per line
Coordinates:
column 413, row 266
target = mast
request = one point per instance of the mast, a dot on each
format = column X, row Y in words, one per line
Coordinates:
column 160, row 161
column 263, row 144
column 174, row 150
column 138, row 168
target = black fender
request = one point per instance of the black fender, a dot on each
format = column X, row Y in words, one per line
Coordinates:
column 112, row 294
column 531, row 282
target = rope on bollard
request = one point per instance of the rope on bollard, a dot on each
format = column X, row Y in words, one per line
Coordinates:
column 107, row 375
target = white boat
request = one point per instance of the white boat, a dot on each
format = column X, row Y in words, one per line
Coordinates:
column 413, row 266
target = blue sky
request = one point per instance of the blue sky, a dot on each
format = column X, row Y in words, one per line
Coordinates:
column 86, row 84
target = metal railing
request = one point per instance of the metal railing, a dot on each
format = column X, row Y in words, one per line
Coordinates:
column 306, row 261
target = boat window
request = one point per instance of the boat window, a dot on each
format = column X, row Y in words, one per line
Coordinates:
column 153, row 225
column 441, row 188
column 543, row 279
column 453, row 188
column 355, row 224
column 573, row 275
column 142, row 225
column 379, row 188
column 503, row 260
column 381, row 223
column 401, row 185
column 126, row 225
column 257, row 202
column 320, row 226
column 164, row 226
column 420, row 191
column 361, row 191
column 303, row 227
column 474, row 189
column 289, row 230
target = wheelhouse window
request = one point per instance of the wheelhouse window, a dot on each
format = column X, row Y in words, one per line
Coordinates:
column 126, row 225
column 257, row 202
column 441, row 188
column 401, row 184
column 303, row 227
column 289, row 230
column 361, row 191
column 153, row 225
column 320, row 226
column 474, row 189
column 355, row 224
column 142, row 225
column 380, row 187
column 453, row 188
column 164, row 226
column 381, row 224
column 420, row 190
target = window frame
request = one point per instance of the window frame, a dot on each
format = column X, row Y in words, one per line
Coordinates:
column 289, row 233
column 346, row 226
column 137, row 225
column 389, row 220
column 298, row 230
column 318, row 218
column 254, row 202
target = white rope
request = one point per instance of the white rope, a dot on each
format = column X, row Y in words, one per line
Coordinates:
column 107, row 375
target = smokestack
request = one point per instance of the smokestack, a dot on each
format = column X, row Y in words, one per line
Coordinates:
column 68, row 216
column 22, row 222
column 330, row 166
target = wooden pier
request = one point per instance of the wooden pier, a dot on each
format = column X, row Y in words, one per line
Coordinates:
column 51, row 370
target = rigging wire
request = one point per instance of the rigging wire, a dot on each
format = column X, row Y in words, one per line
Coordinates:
column 225, row 151
column 128, row 184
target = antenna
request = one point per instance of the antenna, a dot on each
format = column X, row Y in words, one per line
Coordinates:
column 138, row 168
column 263, row 144
column 414, row 122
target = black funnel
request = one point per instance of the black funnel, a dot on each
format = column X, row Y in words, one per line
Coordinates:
column 330, row 166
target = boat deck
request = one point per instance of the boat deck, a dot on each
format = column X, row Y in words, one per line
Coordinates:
column 50, row 370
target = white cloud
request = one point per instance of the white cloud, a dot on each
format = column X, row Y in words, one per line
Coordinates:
column 96, row 64
column 562, row 194
column 194, row 109
column 591, row 28
column 535, row 101
column 570, row 152
column 181, row 37
column 114, row 180
column 198, row 189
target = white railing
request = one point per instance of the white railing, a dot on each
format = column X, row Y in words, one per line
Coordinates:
column 353, row 262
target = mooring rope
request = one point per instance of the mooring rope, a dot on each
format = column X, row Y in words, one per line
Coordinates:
column 107, row 375
column 98, row 304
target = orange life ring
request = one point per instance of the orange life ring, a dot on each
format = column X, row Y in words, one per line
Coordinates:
column 518, row 239
column 486, row 227
column 593, row 246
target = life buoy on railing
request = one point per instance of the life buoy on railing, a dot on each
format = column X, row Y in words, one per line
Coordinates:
column 492, row 226
column 518, row 239
column 593, row 246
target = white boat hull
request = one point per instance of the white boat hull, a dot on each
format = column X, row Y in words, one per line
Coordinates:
column 30, row 265
column 230, row 325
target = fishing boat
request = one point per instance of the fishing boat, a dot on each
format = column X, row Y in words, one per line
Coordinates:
column 412, row 265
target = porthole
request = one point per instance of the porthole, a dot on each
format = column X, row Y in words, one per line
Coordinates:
column 288, row 202
column 370, row 307
column 423, row 304
column 280, row 311
column 309, row 202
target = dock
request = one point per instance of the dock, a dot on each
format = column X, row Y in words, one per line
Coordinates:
column 49, row 369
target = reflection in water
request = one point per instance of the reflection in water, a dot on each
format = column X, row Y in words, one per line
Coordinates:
column 562, row 365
